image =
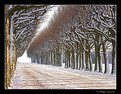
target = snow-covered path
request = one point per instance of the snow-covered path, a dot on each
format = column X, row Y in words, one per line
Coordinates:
column 37, row 76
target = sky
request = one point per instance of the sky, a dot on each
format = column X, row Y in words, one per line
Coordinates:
column 24, row 58
column 48, row 18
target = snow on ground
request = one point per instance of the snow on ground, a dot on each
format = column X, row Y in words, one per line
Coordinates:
column 82, row 70
column 39, row 76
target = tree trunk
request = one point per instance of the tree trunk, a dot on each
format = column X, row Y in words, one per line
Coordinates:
column 82, row 58
column 7, row 53
column 99, row 59
column 97, row 53
column 95, row 69
column 113, row 58
column 62, row 57
column 77, row 61
column 37, row 58
column 40, row 60
column 66, row 57
column 51, row 57
column 90, row 59
column 79, row 57
column 105, row 59
column 58, row 57
column 87, row 56
column 86, row 60
column 54, row 57
column 113, row 35
column 73, row 61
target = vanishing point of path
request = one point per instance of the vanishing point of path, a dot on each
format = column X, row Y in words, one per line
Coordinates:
column 37, row 76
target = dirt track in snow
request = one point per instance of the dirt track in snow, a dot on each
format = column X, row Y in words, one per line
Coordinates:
column 37, row 76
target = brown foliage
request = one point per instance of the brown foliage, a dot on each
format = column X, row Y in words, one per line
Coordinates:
column 63, row 19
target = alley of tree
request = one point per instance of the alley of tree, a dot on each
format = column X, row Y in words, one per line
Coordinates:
column 60, row 46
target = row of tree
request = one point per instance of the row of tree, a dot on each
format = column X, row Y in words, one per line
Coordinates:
column 91, row 29
column 20, row 25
